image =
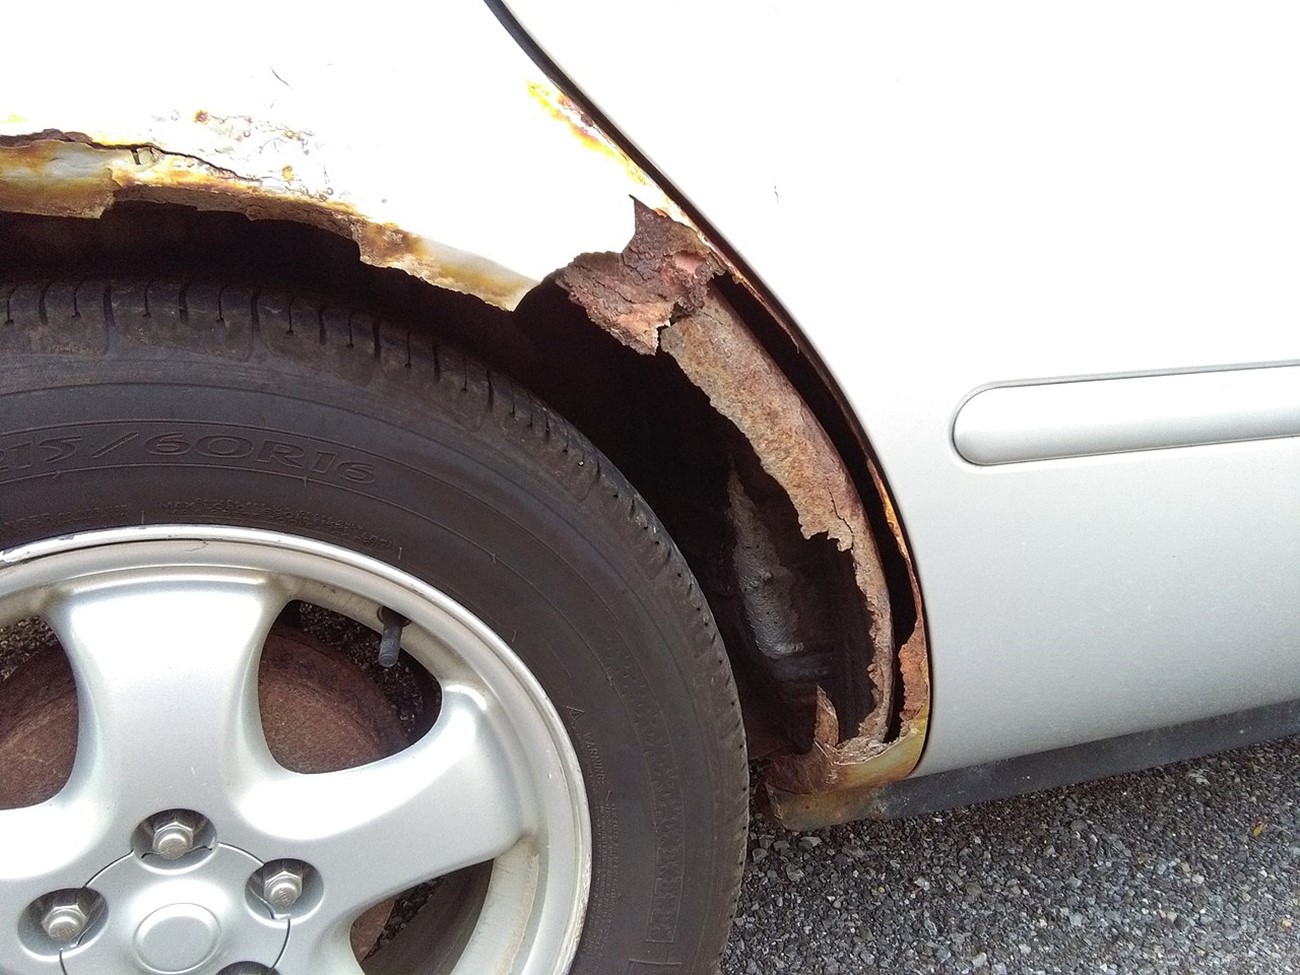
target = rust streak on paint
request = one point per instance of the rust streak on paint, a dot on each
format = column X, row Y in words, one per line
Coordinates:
column 66, row 174
column 563, row 109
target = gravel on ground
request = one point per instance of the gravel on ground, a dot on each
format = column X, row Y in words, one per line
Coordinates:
column 1193, row 868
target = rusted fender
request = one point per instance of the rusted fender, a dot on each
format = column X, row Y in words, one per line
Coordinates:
column 657, row 295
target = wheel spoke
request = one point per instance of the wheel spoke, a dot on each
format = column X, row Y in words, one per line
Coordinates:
column 164, row 634
column 166, row 669
column 449, row 801
column 39, row 844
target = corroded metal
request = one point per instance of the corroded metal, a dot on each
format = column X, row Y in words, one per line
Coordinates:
column 61, row 174
column 657, row 296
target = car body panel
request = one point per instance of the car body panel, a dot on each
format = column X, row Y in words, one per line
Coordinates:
column 366, row 131
column 943, row 199
column 946, row 197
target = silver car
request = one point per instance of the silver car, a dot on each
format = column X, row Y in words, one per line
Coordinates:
column 439, row 449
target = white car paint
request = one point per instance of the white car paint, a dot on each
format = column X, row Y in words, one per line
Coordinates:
column 432, row 121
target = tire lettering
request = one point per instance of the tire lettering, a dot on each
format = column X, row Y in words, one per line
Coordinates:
column 20, row 456
column 108, row 448
column 284, row 453
column 361, row 473
column 224, row 446
column 62, row 448
column 167, row 445
column 33, row 457
column 54, row 449
column 239, row 510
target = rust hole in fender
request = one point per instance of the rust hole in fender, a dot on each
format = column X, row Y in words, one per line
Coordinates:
column 659, row 296
column 666, row 297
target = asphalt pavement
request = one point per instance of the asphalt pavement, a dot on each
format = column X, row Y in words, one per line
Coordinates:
column 1193, row 868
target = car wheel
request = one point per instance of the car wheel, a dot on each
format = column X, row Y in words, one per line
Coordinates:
column 551, row 778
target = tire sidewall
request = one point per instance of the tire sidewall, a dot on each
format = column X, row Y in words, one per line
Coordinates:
column 558, row 560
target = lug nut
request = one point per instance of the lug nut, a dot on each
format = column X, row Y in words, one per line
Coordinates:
column 282, row 887
column 174, row 834
column 65, row 920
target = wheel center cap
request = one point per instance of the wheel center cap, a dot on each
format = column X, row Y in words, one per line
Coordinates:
column 177, row 938
column 177, row 917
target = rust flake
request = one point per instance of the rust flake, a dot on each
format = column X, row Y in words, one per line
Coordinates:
column 719, row 355
column 663, row 273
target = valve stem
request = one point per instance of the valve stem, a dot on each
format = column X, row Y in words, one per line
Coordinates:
column 390, row 644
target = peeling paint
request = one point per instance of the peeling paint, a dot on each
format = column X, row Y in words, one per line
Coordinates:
column 656, row 296
column 66, row 174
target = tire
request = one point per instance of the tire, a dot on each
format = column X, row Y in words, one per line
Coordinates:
column 309, row 441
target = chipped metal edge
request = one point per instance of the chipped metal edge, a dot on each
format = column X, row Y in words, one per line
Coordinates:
column 658, row 296
column 68, row 175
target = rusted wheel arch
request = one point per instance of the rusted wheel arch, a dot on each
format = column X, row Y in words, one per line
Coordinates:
column 665, row 297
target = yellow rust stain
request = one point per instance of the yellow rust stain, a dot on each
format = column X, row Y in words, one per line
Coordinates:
column 856, row 788
column 640, row 185
column 26, row 185
column 564, row 110
column 55, row 177
column 31, row 159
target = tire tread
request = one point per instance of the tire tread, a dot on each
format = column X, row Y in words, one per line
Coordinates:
column 231, row 321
